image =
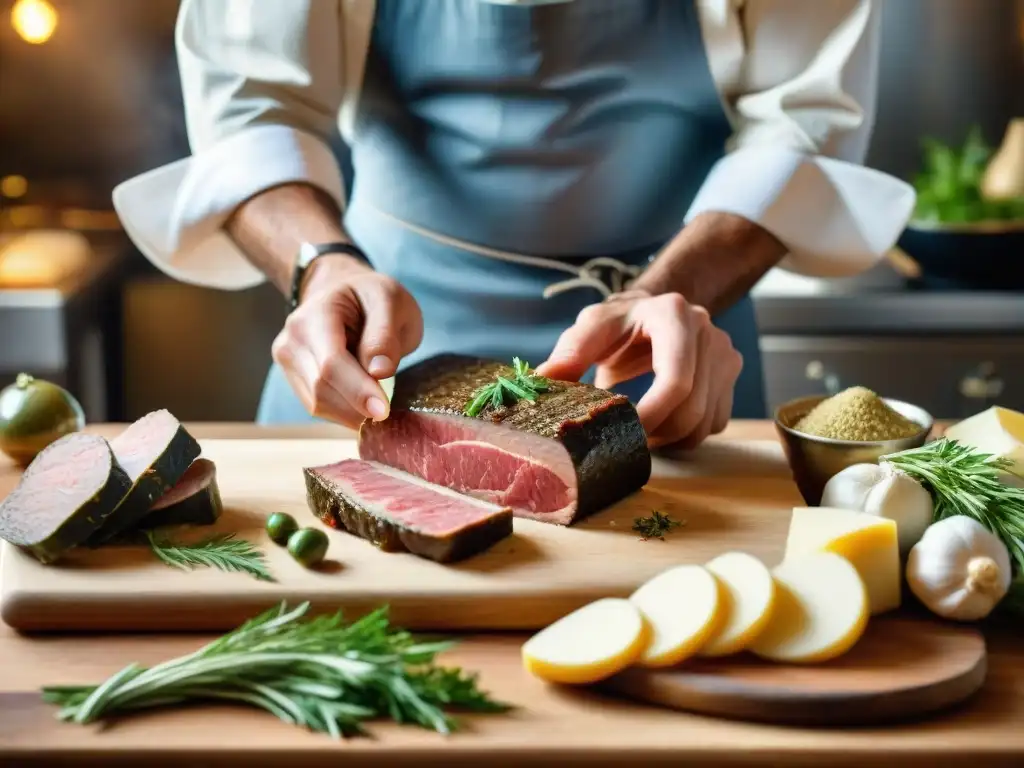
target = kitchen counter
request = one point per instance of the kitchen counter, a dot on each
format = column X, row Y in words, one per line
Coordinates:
column 951, row 352
column 550, row 727
column 880, row 302
column 905, row 312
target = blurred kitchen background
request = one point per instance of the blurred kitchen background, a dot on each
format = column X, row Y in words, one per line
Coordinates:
column 89, row 96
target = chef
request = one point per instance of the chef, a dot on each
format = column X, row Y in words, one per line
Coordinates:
column 591, row 185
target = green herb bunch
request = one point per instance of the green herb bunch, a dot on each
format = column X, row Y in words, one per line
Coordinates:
column 964, row 481
column 317, row 673
column 504, row 390
column 949, row 186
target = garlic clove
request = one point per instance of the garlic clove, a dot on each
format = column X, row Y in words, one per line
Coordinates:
column 959, row 569
column 884, row 491
column 849, row 488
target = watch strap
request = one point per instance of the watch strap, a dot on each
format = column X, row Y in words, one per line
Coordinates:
column 310, row 252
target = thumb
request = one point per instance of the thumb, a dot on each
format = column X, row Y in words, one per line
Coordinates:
column 379, row 348
column 578, row 348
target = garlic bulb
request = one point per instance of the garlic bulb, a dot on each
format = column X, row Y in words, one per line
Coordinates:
column 959, row 569
column 884, row 491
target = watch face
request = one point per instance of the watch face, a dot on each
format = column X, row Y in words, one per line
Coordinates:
column 307, row 252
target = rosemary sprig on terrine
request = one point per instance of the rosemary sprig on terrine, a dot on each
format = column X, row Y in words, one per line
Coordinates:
column 503, row 391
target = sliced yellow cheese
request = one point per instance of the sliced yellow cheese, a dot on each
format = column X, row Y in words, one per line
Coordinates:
column 748, row 591
column 589, row 644
column 869, row 542
column 998, row 431
column 683, row 607
column 821, row 610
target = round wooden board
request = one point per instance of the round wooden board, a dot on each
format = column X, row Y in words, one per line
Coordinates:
column 903, row 668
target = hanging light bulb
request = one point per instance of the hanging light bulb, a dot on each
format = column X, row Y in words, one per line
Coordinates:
column 34, row 20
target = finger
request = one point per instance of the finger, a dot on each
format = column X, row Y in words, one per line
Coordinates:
column 322, row 331
column 702, row 431
column 301, row 371
column 674, row 349
column 594, row 335
column 688, row 412
column 410, row 333
column 379, row 346
column 634, row 361
column 723, row 410
column 718, row 409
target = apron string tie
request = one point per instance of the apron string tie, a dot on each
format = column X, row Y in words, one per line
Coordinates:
column 618, row 275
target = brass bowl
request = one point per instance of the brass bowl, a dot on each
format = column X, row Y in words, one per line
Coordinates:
column 815, row 460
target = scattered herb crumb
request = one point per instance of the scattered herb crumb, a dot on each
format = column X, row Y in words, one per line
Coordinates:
column 655, row 526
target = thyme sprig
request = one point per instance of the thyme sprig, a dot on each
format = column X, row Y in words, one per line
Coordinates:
column 317, row 673
column 655, row 526
column 523, row 385
column 223, row 552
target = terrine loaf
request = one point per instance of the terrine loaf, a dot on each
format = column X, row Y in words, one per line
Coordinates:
column 399, row 512
column 65, row 495
column 572, row 451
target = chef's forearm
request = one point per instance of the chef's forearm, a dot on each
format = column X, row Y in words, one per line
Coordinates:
column 271, row 227
column 714, row 261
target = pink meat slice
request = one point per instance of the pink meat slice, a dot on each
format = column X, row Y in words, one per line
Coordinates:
column 142, row 441
column 198, row 475
column 407, row 500
column 533, row 475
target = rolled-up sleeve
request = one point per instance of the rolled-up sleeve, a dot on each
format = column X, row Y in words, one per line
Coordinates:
column 799, row 83
column 262, row 85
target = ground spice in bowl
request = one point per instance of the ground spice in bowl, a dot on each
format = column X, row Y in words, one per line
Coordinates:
column 857, row 414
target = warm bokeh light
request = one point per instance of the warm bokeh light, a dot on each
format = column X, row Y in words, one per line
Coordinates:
column 34, row 20
column 13, row 186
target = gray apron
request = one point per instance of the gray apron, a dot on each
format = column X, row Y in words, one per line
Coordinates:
column 514, row 164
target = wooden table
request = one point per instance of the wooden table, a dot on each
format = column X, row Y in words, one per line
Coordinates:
column 550, row 727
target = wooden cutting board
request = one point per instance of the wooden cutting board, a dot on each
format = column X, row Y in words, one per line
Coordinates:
column 902, row 669
column 730, row 495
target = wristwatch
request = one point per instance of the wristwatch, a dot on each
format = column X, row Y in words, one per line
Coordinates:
column 308, row 253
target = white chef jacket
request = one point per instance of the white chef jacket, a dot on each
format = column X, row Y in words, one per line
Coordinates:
column 267, row 83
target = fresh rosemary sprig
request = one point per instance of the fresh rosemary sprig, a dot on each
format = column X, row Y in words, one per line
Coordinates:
column 224, row 552
column 508, row 391
column 317, row 673
column 964, row 481
column 655, row 526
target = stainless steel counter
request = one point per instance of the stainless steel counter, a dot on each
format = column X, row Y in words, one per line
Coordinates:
column 953, row 353
column 892, row 313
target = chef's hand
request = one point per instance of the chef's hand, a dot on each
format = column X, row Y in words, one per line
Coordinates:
column 694, row 363
column 351, row 328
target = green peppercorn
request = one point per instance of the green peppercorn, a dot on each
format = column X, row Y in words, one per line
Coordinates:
column 308, row 546
column 280, row 527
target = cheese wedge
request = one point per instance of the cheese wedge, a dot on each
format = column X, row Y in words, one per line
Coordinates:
column 589, row 644
column 748, row 592
column 869, row 542
column 998, row 431
column 821, row 610
column 683, row 607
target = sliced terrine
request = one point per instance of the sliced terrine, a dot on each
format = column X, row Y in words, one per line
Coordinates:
column 401, row 512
